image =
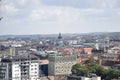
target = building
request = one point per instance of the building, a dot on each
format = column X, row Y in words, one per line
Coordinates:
column 4, row 71
column 43, row 67
column 60, row 64
column 43, row 70
column 89, row 77
column 60, row 36
column 19, row 68
column 72, row 77
column 13, row 51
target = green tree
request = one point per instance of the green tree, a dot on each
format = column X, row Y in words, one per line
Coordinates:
column 79, row 70
column 113, row 73
column 95, row 68
column 106, row 74
column 75, row 69
column 83, row 71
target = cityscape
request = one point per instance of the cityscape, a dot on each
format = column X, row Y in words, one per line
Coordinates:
column 59, row 40
column 52, row 57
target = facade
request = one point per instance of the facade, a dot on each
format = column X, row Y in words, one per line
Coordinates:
column 71, row 77
column 20, row 68
column 43, row 67
column 91, row 78
column 61, row 64
column 83, row 77
column 4, row 71
column 12, row 51
column 43, row 70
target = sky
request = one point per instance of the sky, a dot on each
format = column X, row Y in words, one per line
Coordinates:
column 54, row 16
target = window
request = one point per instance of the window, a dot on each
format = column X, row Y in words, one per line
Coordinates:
column 35, row 72
column 56, row 67
column 16, row 63
column 35, row 68
column 16, row 70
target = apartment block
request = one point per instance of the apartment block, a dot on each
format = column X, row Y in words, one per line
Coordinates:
column 19, row 68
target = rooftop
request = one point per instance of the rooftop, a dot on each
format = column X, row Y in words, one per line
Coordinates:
column 19, row 58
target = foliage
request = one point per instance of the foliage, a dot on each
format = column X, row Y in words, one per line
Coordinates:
column 78, row 69
column 75, row 69
column 106, row 74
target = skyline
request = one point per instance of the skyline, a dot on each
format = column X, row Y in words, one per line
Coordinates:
column 65, row 16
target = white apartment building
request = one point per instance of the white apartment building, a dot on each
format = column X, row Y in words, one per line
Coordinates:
column 61, row 64
column 89, row 77
column 22, row 67
column 4, row 71
column 92, row 78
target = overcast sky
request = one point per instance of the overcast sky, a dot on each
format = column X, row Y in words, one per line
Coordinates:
column 54, row 16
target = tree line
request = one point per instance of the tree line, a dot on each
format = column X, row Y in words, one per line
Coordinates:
column 106, row 74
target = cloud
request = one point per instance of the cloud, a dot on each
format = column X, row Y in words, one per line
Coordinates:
column 83, row 3
column 110, row 4
column 22, row 2
column 118, row 13
column 73, row 3
column 9, row 8
column 60, row 15
column 57, row 14
column 37, row 15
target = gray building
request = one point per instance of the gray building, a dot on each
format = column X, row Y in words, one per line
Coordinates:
column 61, row 64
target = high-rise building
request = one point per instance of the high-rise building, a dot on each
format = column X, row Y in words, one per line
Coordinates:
column 12, row 51
column 61, row 64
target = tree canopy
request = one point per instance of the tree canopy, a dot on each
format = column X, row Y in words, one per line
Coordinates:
column 106, row 74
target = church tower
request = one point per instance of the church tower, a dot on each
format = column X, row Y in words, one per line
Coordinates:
column 60, row 36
